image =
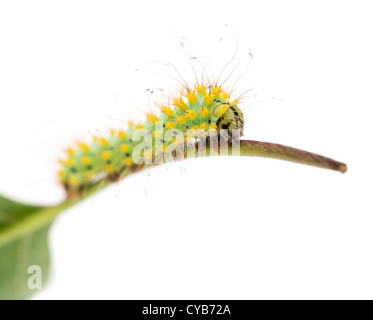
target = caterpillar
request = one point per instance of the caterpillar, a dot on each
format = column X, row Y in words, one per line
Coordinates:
column 200, row 111
column 203, row 114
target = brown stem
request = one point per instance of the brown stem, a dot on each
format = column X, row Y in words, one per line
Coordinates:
column 281, row 152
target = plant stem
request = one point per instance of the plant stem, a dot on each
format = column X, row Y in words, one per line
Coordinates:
column 277, row 151
column 44, row 216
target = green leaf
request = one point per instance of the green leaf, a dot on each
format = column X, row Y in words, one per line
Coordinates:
column 24, row 242
column 17, row 254
column 16, row 258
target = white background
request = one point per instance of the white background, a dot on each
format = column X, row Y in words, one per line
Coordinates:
column 242, row 228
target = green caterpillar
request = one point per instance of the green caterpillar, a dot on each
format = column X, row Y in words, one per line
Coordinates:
column 204, row 110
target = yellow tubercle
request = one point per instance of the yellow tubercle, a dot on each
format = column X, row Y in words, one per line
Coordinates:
column 73, row 181
column 124, row 148
column 204, row 112
column 180, row 104
column 191, row 96
column 167, row 111
column 104, row 142
column 89, row 175
column 139, row 126
column 105, row 155
column 190, row 114
column 109, row 168
column 216, row 91
column 128, row 161
column 152, row 118
column 201, row 90
column 170, row 125
column 213, row 126
column 208, row 99
column 86, row 160
column 203, row 126
column 181, row 119
column 225, row 96
column 83, row 146
column 122, row 135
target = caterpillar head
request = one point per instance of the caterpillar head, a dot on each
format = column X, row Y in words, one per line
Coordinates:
column 227, row 116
